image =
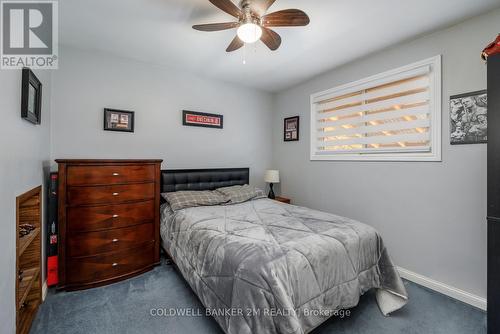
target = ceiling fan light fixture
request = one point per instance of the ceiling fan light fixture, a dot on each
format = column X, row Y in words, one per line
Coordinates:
column 254, row 23
column 249, row 32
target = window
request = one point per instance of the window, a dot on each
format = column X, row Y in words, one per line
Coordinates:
column 392, row 116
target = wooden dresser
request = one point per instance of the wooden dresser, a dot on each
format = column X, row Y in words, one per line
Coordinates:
column 109, row 220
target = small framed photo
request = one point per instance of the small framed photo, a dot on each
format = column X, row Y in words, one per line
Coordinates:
column 118, row 120
column 31, row 97
column 291, row 128
column 469, row 118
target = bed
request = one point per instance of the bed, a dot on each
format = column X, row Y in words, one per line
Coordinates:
column 262, row 266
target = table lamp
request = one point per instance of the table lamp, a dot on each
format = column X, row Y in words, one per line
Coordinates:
column 271, row 177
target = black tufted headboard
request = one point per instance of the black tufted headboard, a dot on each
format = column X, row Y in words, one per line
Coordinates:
column 202, row 179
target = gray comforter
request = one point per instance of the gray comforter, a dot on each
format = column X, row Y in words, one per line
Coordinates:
column 267, row 267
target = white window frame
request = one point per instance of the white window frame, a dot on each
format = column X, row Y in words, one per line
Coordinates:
column 435, row 102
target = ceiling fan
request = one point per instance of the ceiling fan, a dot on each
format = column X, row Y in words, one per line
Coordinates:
column 253, row 23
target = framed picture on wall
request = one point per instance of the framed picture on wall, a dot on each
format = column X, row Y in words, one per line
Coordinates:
column 469, row 118
column 118, row 120
column 31, row 97
column 204, row 120
column 291, row 128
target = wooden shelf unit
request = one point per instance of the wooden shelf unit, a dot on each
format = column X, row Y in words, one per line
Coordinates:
column 26, row 282
column 25, row 241
column 28, row 259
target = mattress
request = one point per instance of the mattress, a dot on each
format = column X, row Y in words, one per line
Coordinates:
column 268, row 267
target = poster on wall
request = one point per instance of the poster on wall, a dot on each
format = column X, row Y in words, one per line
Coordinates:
column 469, row 118
column 193, row 118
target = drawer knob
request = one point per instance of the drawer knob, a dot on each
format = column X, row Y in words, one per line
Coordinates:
column 115, row 216
column 116, row 194
column 115, row 240
column 116, row 174
column 114, row 264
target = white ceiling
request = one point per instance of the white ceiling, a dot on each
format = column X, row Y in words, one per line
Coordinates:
column 159, row 32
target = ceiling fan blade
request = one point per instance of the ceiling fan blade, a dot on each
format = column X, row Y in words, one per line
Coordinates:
column 235, row 44
column 261, row 6
column 271, row 39
column 228, row 6
column 286, row 18
column 216, row 26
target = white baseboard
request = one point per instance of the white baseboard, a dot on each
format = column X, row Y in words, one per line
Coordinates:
column 44, row 290
column 445, row 289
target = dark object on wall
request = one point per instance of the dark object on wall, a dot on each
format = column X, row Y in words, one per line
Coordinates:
column 193, row 118
column 492, row 49
column 494, row 196
column 52, row 232
column 291, row 128
column 31, row 97
column 469, row 118
column 109, row 219
column 118, row 120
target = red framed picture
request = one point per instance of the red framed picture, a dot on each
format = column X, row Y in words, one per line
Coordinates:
column 193, row 118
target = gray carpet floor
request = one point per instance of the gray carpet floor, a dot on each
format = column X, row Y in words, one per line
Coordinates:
column 125, row 308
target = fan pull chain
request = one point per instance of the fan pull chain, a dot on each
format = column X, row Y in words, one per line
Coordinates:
column 254, row 49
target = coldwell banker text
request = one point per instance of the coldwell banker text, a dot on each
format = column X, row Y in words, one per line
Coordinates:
column 29, row 36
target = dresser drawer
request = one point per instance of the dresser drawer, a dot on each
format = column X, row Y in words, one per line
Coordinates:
column 114, row 174
column 92, row 243
column 110, row 194
column 97, row 268
column 104, row 217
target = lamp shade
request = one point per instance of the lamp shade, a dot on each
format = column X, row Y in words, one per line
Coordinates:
column 272, row 176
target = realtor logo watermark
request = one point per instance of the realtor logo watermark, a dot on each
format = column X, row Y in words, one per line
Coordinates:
column 29, row 36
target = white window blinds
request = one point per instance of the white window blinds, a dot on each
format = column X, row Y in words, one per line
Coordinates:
column 392, row 116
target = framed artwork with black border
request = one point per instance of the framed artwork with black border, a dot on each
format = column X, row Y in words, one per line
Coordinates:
column 469, row 118
column 119, row 120
column 194, row 118
column 31, row 97
column 291, row 129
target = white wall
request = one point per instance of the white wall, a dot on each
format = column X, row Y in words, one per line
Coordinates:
column 24, row 158
column 431, row 215
column 86, row 83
